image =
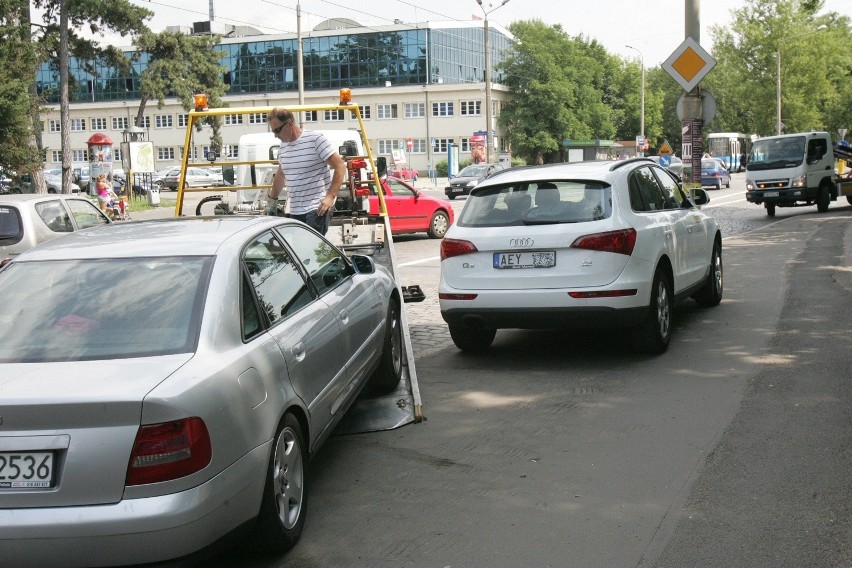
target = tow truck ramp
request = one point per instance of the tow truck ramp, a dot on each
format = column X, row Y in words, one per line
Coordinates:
column 354, row 228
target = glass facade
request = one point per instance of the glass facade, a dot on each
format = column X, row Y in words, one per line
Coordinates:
column 356, row 57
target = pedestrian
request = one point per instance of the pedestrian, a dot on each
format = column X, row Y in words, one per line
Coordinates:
column 103, row 188
column 311, row 169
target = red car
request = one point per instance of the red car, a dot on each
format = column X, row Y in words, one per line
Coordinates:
column 403, row 172
column 411, row 211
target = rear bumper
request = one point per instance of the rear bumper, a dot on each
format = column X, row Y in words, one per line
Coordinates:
column 135, row 531
column 596, row 317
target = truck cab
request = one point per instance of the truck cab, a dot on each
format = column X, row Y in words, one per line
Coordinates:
column 791, row 170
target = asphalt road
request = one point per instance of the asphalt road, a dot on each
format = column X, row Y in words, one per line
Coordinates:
column 567, row 449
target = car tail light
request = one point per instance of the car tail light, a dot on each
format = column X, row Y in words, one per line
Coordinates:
column 621, row 242
column 167, row 451
column 454, row 247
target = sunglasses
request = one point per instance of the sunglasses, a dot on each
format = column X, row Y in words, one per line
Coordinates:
column 275, row 131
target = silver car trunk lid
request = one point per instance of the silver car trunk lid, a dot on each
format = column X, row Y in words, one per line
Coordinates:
column 86, row 415
column 507, row 245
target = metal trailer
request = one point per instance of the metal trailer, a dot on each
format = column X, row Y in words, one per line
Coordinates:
column 354, row 229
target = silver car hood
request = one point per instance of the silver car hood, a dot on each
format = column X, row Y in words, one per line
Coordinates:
column 87, row 412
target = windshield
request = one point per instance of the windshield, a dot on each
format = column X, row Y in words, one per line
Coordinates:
column 777, row 153
column 80, row 310
column 537, row 203
column 473, row 171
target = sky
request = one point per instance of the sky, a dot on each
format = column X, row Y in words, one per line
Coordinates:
column 655, row 28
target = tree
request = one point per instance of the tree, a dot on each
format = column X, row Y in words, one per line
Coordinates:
column 17, row 68
column 61, row 37
column 558, row 91
column 816, row 71
column 182, row 66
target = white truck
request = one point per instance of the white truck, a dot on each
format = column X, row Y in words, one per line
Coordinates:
column 793, row 170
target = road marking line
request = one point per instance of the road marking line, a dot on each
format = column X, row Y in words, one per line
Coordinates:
column 421, row 261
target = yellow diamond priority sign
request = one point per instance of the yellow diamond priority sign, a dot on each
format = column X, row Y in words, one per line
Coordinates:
column 688, row 64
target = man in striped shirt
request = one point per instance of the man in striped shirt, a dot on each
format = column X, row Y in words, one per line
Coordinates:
column 311, row 169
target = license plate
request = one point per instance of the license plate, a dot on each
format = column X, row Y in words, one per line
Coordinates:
column 456, row 189
column 22, row 470
column 770, row 194
column 531, row 259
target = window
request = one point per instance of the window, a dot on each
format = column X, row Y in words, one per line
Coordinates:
column 57, row 155
column 415, row 110
column 206, row 150
column 193, row 153
column 333, row 115
column 99, row 123
column 365, row 112
column 146, row 122
column 165, row 153
column 390, row 144
column 231, row 150
column 471, row 108
column 119, row 123
column 465, row 144
column 182, row 120
column 672, row 191
column 646, row 194
column 277, row 281
column 418, row 146
column 79, row 155
column 386, row 111
column 78, row 124
column 232, row 119
column 163, row 121
column 442, row 109
column 442, row 144
column 116, row 154
column 311, row 116
column 55, row 126
column 323, row 263
column 257, row 118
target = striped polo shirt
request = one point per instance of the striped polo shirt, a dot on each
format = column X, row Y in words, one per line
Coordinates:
column 305, row 167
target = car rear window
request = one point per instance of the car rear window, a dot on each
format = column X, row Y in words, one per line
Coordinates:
column 539, row 202
column 81, row 310
column 11, row 229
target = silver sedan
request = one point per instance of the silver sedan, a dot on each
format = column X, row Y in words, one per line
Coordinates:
column 140, row 426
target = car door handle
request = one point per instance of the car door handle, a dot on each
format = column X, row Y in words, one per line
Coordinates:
column 344, row 315
column 298, row 351
column 668, row 233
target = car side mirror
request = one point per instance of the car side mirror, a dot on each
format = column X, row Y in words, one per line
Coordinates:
column 700, row 196
column 363, row 264
column 382, row 165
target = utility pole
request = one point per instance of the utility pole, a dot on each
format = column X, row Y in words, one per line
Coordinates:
column 693, row 108
column 489, row 137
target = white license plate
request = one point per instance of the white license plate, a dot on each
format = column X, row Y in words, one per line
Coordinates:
column 21, row 470
column 456, row 189
column 526, row 259
column 770, row 194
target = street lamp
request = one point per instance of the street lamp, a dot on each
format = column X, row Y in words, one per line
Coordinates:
column 642, row 96
column 778, row 124
column 488, row 126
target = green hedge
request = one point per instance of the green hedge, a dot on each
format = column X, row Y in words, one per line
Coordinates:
column 442, row 168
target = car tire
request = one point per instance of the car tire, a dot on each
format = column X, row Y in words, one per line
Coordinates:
column 472, row 339
column 770, row 210
column 438, row 225
column 450, row 196
column 711, row 293
column 728, row 185
column 849, row 199
column 823, row 199
column 654, row 334
column 719, row 185
column 389, row 373
column 285, row 497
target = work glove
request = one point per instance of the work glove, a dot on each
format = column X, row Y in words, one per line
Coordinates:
column 272, row 207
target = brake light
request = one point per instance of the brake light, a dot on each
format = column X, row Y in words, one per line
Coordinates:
column 621, row 241
column 454, row 247
column 167, row 451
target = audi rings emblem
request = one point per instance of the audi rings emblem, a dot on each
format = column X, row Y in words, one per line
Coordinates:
column 523, row 242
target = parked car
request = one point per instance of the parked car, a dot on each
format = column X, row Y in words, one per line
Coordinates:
column 195, row 177
column 611, row 244
column 53, row 181
column 81, row 175
column 412, row 211
column 27, row 220
column 403, row 172
column 714, row 174
column 469, row 177
column 159, row 424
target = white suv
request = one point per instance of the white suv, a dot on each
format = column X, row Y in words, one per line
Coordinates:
column 585, row 245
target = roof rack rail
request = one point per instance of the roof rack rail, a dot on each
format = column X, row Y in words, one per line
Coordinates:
column 621, row 163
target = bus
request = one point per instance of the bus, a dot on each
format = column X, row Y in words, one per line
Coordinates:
column 729, row 147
